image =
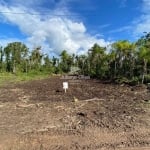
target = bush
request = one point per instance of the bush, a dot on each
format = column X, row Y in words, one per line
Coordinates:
column 121, row 80
column 133, row 81
column 147, row 78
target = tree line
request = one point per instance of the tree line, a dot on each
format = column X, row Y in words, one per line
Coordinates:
column 124, row 61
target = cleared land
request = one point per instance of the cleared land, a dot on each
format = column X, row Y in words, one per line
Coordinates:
column 38, row 115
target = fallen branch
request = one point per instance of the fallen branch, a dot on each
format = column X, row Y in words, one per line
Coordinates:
column 25, row 105
column 93, row 99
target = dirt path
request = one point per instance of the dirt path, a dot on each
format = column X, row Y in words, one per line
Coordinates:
column 90, row 116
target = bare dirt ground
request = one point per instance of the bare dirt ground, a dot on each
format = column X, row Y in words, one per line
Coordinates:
column 92, row 115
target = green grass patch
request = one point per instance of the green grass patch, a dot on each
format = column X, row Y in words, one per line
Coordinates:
column 7, row 78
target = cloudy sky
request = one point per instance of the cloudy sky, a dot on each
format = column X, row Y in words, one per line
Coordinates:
column 74, row 25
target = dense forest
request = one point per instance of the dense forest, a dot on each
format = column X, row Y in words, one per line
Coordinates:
column 124, row 61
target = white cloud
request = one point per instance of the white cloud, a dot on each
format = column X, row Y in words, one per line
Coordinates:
column 4, row 41
column 146, row 6
column 122, row 29
column 142, row 24
column 24, row 3
column 123, row 3
column 54, row 33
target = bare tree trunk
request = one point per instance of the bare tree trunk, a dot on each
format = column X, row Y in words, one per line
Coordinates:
column 115, row 69
column 144, row 71
column 14, row 67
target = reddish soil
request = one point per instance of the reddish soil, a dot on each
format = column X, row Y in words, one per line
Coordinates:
column 91, row 115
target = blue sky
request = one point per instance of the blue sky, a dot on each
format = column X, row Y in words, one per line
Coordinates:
column 74, row 25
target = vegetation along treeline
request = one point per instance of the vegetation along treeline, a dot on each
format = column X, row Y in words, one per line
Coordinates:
column 125, row 62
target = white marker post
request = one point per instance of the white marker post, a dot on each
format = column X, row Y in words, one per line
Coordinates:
column 65, row 86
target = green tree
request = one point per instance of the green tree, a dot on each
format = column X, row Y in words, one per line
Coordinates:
column 1, row 59
column 48, row 65
column 143, row 45
column 36, row 59
column 66, row 61
column 82, row 63
column 98, row 61
column 123, row 58
column 15, row 54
